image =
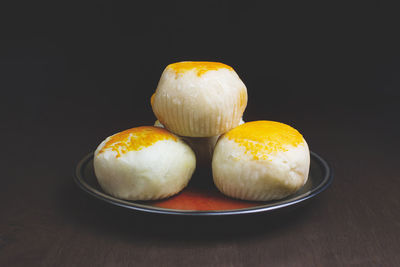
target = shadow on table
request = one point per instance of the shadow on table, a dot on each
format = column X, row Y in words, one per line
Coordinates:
column 105, row 219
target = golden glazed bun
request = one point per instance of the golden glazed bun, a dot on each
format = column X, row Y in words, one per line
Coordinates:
column 261, row 160
column 199, row 99
column 143, row 163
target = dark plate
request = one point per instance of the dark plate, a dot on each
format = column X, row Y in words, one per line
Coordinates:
column 201, row 198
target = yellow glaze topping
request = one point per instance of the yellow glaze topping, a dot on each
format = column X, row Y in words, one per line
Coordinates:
column 200, row 67
column 136, row 139
column 261, row 138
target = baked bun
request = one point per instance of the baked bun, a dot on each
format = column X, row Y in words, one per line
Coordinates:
column 143, row 163
column 203, row 147
column 199, row 99
column 260, row 160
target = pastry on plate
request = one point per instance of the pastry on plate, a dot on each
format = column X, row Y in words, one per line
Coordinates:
column 143, row 163
column 260, row 160
column 199, row 99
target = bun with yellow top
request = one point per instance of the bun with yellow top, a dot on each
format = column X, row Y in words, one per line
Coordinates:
column 260, row 160
column 143, row 163
column 199, row 99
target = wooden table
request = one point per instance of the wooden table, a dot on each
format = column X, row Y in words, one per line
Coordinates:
column 63, row 95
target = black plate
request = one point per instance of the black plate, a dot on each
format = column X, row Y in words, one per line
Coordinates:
column 319, row 179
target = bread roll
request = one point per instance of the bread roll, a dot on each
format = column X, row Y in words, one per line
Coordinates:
column 143, row 163
column 199, row 99
column 261, row 160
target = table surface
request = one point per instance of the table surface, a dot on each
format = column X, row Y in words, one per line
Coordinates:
column 64, row 93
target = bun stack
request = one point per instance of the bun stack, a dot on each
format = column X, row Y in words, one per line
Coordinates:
column 199, row 108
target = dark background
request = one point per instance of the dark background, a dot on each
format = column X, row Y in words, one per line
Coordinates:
column 75, row 72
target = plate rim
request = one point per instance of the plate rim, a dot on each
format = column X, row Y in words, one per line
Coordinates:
column 326, row 182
